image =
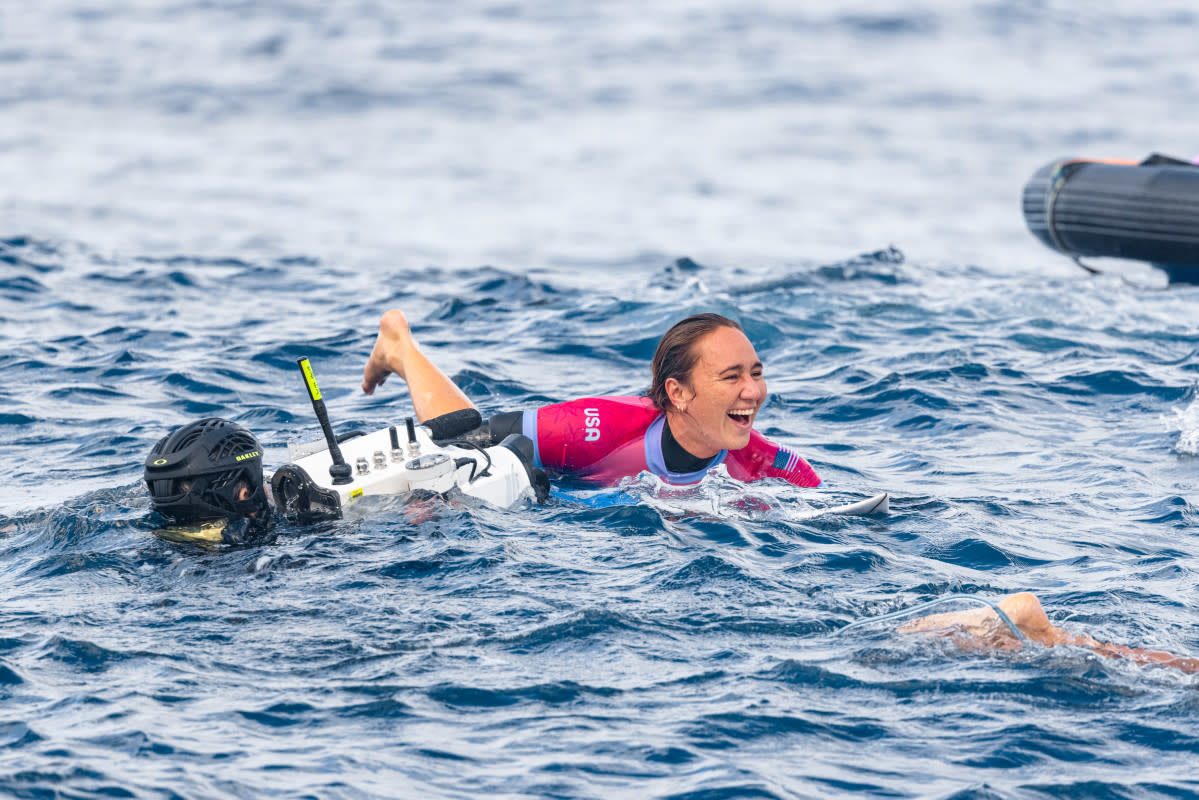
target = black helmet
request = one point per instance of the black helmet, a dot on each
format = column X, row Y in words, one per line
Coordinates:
column 197, row 472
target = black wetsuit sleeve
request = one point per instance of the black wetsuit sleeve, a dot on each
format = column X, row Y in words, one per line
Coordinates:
column 505, row 423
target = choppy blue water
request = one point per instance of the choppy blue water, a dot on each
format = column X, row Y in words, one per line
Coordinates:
column 194, row 194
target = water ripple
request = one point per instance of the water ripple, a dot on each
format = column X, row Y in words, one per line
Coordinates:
column 196, row 195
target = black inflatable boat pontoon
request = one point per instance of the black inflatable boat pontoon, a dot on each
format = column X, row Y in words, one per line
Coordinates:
column 1119, row 209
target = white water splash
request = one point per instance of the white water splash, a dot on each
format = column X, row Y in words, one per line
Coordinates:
column 720, row 495
column 1188, row 424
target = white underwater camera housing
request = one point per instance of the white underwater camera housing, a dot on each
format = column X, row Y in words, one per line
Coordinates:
column 439, row 456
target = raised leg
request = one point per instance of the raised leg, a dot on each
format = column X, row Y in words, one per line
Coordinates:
column 396, row 351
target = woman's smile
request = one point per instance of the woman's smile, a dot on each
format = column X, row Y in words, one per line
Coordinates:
column 716, row 411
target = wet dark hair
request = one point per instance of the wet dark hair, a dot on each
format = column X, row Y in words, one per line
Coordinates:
column 676, row 355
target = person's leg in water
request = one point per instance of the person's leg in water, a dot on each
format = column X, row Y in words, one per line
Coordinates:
column 433, row 394
column 983, row 628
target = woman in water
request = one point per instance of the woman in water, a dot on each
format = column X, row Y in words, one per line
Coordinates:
column 706, row 390
column 707, row 387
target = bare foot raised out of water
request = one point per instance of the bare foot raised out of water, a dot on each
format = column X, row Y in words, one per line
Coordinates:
column 395, row 351
column 391, row 349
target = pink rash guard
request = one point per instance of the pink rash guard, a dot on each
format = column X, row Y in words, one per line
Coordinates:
column 604, row 439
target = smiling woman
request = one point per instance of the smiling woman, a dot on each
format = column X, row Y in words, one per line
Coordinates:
column 708, row 382
column 706, row 391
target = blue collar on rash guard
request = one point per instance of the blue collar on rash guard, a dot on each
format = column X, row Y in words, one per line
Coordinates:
column 657, row 462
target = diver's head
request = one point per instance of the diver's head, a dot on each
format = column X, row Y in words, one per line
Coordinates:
column 210, row 469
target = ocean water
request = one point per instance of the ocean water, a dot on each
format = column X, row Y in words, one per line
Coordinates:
column 194, row 194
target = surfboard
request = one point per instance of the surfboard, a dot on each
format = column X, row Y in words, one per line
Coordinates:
column 879, row 504
column 600, row 499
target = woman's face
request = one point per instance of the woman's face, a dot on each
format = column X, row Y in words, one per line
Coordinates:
column 716, row 408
